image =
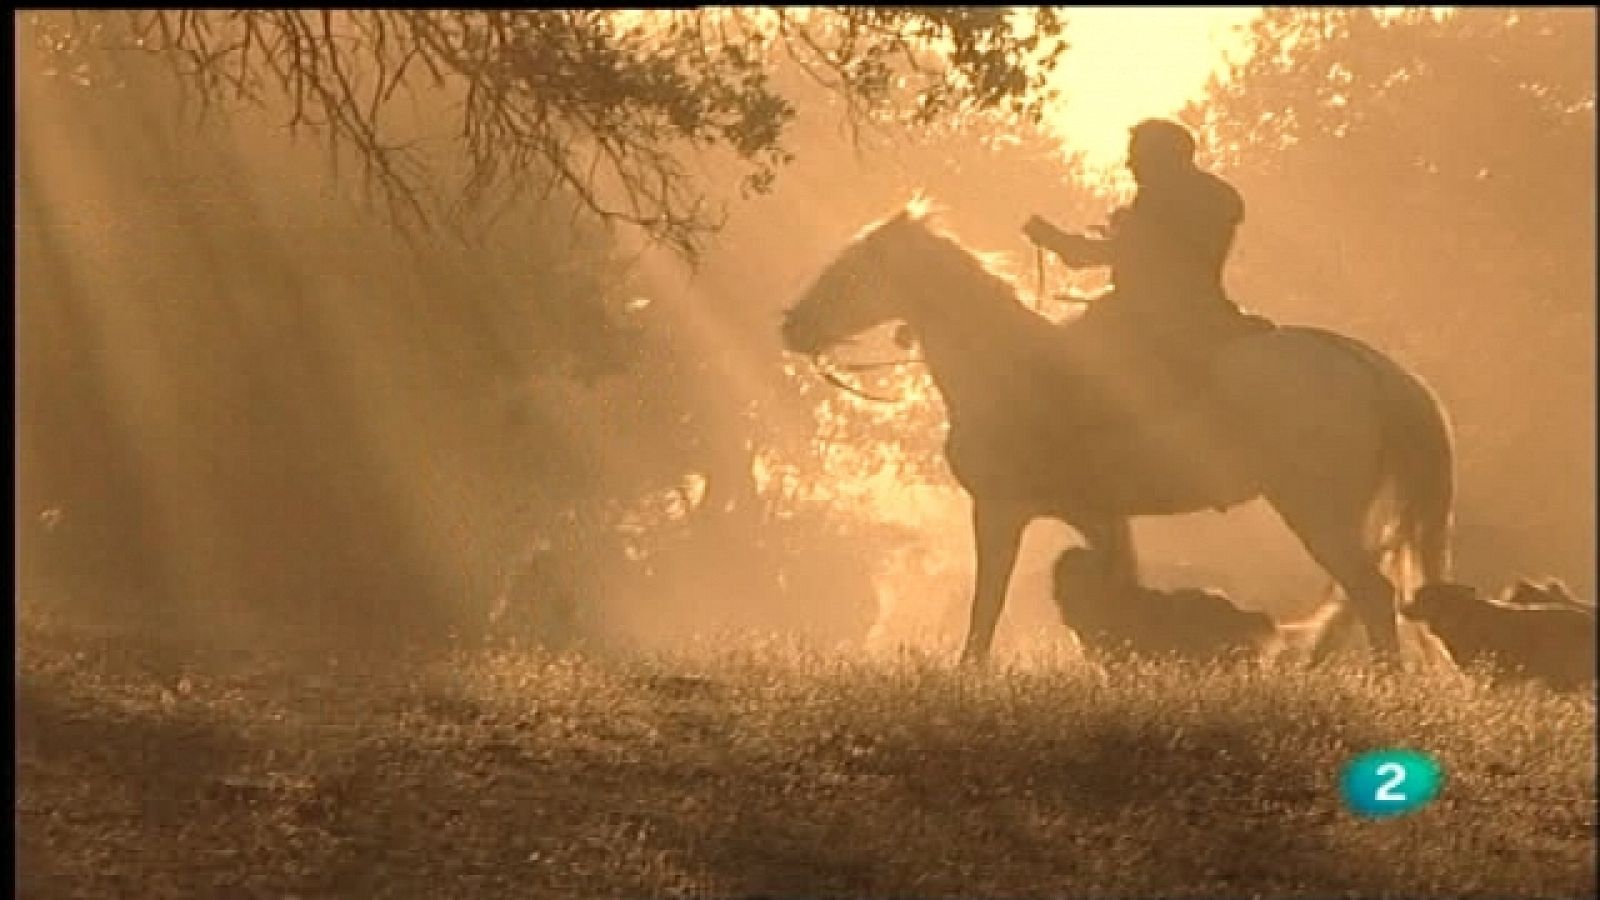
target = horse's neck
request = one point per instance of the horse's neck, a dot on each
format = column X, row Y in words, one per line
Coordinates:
column 976, row 335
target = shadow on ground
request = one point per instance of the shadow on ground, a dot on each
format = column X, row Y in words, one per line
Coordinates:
column 609, row 779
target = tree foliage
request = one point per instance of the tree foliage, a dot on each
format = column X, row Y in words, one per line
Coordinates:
column 429, row 437
column 601, row 103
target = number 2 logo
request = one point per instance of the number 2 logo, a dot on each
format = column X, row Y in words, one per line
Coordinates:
column 1384, row 783
column 1396, row 773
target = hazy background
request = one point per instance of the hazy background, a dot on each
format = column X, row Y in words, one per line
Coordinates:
column 248, row 410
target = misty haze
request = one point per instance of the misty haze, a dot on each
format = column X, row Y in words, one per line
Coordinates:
column 492, row 453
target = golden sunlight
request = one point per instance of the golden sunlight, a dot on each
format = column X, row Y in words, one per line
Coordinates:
column 1130, row 63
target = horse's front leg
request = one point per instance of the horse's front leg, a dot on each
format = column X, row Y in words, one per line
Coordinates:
column 996, row 536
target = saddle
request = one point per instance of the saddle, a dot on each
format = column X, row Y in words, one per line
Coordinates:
column 1171, row 362
column 1157, row 408
column 1189, row 358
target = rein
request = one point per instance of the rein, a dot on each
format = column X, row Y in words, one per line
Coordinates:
column 1038, row 270
column 830, row 375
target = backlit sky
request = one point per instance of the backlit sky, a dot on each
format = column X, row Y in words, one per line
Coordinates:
column 1129, row 63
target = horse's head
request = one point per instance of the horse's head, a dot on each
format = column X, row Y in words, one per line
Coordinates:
column 866, row 285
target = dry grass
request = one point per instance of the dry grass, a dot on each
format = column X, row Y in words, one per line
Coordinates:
column 764, row 769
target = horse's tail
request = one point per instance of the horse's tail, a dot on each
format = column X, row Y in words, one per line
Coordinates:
column 1411, row 532
column 1419, row 468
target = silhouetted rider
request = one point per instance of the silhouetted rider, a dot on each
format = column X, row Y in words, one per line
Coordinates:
column 1166, row 249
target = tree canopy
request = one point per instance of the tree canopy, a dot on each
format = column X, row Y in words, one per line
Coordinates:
column 241, row 396
column 1425, row 180
column 600, row 103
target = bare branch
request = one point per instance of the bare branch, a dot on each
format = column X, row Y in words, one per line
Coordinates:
column 570, row 100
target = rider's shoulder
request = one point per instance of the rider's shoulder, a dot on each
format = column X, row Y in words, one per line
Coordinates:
column 1216, row 183
column 1221, row 193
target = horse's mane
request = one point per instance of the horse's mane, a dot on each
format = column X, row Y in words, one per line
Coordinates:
column 927, row 213
column 920, row 208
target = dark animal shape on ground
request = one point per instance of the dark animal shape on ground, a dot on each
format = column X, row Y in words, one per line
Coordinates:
column 1187, row 623
column 1537, row 632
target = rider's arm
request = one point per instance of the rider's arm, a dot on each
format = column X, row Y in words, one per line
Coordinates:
column 1075, row 250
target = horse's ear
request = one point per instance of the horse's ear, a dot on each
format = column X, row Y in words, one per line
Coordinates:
column 918, row 207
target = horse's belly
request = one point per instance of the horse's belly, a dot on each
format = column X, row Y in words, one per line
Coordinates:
column 1163, row 469
column 1037, row 476
column 1171, row 469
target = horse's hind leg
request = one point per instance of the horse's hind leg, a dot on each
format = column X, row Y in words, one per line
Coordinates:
column 1335, row 539
column 1373, row 597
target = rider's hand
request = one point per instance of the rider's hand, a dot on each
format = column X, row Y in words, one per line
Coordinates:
column 1039, row 231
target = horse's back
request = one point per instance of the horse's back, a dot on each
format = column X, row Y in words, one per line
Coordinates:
column 1298, row 341
column 1306, row 363
column 1296, row 394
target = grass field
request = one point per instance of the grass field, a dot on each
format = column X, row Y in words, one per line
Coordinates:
column 763, row 769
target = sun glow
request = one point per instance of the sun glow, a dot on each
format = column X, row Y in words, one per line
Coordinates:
column 1130, row 63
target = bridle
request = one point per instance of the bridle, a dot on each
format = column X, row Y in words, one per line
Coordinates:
column 830, row 371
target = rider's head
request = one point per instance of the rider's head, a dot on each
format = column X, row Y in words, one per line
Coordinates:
column 1158, row 149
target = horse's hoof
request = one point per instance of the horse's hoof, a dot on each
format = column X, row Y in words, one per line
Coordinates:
column 1388, row 662
column 971, row 657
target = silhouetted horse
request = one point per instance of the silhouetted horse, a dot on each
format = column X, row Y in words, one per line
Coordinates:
column 1352, row 451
